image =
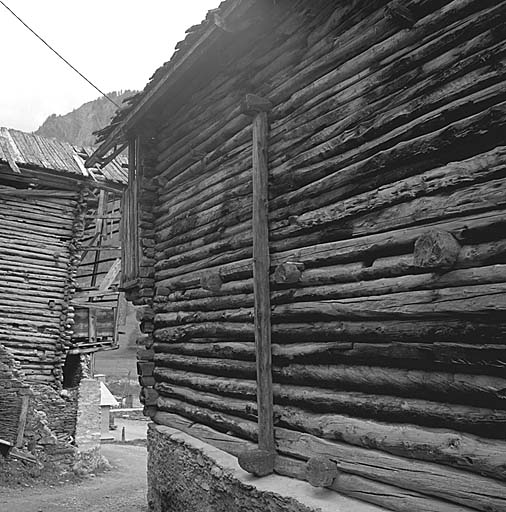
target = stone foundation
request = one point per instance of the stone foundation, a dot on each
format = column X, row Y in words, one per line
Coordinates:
column 61, row 427
column 59, row 407
column 88, row 423
column 13, row 391
column 187, row 475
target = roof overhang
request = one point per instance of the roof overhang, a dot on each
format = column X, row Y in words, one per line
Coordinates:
column 117, row 139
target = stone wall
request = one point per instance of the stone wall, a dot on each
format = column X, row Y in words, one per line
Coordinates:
column 61, row 426
column 186, row 475
column 60, row 408
column 88, row 415
column 12, row 393
column 47, row 425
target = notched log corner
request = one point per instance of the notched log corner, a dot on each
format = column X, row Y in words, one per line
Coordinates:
column 257, row 462
column 437, row 250
column 148, row 397
column 149, row 412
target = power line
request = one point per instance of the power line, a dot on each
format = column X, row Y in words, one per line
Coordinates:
column 58, row 54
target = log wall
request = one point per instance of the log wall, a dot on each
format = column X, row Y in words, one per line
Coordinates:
column 387, row 214
column 38, row 258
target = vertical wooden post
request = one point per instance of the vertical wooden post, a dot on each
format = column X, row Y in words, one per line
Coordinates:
column 261, row 461
column 261, row 264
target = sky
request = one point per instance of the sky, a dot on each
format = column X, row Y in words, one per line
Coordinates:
column 116, row 44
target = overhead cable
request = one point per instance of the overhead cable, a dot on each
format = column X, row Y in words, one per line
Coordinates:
column 58, row 54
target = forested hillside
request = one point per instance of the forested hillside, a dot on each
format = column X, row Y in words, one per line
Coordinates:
column 77, row 127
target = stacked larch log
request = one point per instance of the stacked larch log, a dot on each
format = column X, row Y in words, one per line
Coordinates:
column 38, row 263
column 387, row 214
column 47, row 201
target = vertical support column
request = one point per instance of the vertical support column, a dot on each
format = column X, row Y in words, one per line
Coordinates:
column 261, row 461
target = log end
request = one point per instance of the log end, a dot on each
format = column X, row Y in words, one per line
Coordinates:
column 211, row 281
column 147, row 381
column 148, row 397
column 150, row 411
column 436, row 249
column 288, row 272
column 257, row 462
column 145, row 368
column 321, row 472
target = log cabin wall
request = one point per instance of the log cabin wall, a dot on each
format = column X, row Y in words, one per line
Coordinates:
column 38, row 262
column 387, row 164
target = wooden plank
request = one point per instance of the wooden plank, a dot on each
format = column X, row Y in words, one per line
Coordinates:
column 111, row 275
column 92, row 325
column 9, row 150
column 25, row 399
column 8, row 191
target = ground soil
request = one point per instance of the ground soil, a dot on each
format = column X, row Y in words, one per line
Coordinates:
column 122, row 489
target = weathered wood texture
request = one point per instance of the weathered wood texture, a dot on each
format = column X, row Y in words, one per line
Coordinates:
column 98, row 274
column 387, row 217
column 261, row 266
column 39, row 255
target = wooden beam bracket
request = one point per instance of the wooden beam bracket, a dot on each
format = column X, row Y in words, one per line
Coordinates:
column 253, row 105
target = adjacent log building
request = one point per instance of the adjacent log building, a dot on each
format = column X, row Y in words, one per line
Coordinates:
column 48, row 201
column 316, row 230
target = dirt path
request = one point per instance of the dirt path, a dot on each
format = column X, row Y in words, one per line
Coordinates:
column 121, row 490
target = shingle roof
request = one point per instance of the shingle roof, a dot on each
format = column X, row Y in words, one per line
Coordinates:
column 34, row 152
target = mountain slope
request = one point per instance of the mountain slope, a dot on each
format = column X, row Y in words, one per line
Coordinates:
column 78, row 126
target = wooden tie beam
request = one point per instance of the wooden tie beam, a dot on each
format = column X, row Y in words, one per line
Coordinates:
column 261, row 461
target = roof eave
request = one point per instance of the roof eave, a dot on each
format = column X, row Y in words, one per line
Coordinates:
column 185, row 63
